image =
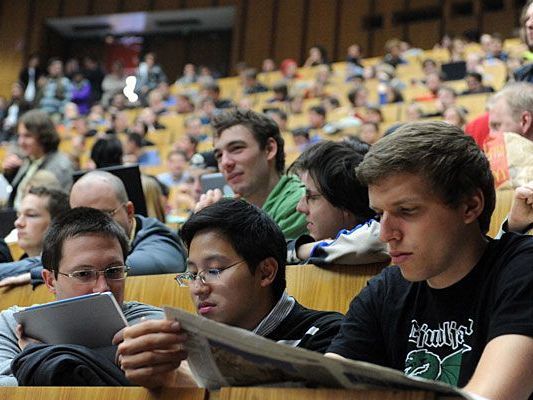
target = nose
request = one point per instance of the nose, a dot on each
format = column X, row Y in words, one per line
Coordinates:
column 302, row 206
column 389, row 229
column 101, row 284
column 199, row 289
column 19, row 222
column 225, row 162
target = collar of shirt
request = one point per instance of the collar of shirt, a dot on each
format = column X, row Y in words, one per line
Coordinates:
column 279, row 313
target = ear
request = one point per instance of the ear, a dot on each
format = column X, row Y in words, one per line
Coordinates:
column 130, row 209
column 267, row 271
column 473, row 206
column 526, row 122
column 271, row 148
column 49, row 280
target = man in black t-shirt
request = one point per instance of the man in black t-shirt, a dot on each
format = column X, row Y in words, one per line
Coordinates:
column 236, row 276
column 457, row 307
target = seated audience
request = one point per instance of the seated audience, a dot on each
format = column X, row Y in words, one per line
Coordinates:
column 39, row 141
column 474, row 84
column 135, row 153
column 250, row 153
column 55, row 90
column 106, row 152
column 154, row 248
column 369, row 132
column 317, row 56
column 250, row 83
column 336, row 209
column 457, row 302
column 84, row 252
column 177, row 169
column 236, row 253
column 39, row 207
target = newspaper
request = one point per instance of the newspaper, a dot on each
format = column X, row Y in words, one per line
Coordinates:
column 221, row 355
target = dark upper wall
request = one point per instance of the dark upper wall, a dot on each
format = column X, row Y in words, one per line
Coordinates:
column 263, row 28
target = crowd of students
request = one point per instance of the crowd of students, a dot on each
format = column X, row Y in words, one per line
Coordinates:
column 454, row 304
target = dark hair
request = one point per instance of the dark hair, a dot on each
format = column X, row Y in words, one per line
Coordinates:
column 57, row 200
column 260, row 126
column 449, row 160
column 135, row 138
column 332, row 165
column 251, row 232
column 279, row 112
column 107, row 152
column 39, row 124
column 320, row 110
column 476, row 75
column 76, row 222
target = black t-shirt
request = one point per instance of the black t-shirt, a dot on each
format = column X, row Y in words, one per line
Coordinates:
column 309, row 329
column 440, row 334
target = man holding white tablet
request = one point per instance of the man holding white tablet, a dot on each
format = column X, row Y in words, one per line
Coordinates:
column 83, row 253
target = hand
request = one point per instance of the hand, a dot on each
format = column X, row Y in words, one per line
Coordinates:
column 208, row 198
column 24, row 341
column 12, row 161
column 13, row 281
column 521, row 215
column 151, row 352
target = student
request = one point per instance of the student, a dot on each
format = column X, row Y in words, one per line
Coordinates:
column 87, row 240
column 38, row 208
column 250, row 155
column 154, row 248
column 335, row 205
column 457, row 305
column 236, row 276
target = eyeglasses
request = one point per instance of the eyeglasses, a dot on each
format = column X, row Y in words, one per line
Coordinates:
column 113, row 212
column 87, row 276
column 206, row 276
column 310, row 196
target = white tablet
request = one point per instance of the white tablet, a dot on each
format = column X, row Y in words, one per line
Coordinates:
column 91, row 320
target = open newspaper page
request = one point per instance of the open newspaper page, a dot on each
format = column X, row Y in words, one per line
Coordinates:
column 221, row 355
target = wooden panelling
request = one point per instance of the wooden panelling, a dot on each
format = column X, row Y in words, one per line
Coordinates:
column 76, row 8
column 424, row 34
column 351, row 26
column 136, row 5
column 105, row 7
column 321, row 25
column 258, row 31
column 198, row 3
column 43, row 10
column 13, row 28
column 502, row 22
column 289, row 32
column 167, row 5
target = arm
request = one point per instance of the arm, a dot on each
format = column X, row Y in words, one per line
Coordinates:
column 152, row 352
column 8, row 348
column 504, row 370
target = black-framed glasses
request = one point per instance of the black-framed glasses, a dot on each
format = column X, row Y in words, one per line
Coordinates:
column 87, row 276
column 206, row 276
column 114, row 211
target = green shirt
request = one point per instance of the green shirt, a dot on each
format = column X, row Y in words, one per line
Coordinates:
column 281, row 206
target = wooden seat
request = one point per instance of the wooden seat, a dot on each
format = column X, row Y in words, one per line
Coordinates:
column 328, row 288
column 90, row 393
column 252, row 393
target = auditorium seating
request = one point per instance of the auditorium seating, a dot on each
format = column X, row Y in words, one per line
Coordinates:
column 323, row 288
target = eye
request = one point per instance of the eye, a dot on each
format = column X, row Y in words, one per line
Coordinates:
column 84, row 275
column 212, row 271
column 114, row 272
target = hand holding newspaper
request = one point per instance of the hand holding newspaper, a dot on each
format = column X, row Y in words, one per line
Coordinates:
column 221, row 355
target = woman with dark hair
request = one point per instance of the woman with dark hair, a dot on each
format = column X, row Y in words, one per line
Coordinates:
column 335, row 204
column 38, row 141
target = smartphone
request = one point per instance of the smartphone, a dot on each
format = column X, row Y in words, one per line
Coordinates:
column 215, row 181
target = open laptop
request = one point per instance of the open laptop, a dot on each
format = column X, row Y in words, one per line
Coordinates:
column 131, row 177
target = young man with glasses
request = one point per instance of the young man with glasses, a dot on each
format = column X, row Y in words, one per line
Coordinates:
column 335, row 206
column 84, row 252
column 236, row 276
column 154, row 248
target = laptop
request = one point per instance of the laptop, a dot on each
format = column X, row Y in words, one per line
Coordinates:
column 454, row 71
